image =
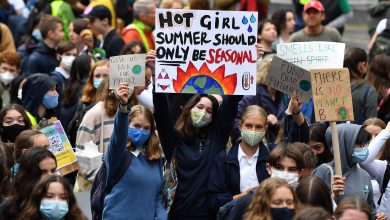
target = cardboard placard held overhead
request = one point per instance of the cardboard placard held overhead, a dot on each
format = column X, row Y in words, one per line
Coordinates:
column 332, row 95
column 313, row 55
column 128, row 69
column 287, row 77
column 206, row 52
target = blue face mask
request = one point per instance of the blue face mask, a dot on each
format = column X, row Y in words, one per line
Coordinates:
column 96, row 83
column 138, row 136
column 53, row 209
column 359, row 154
column 50, row 101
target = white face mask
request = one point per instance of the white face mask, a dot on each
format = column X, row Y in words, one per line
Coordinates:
column 290, row 178
column 7, row 77
column 20, row 94
column 67, row 62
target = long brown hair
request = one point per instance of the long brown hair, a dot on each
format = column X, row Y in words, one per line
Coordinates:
column 108, row 97
column 378, row 74
column 89, row 92
column 32, row 209
column 259, row 208
column 152, row 146
column 184, row 125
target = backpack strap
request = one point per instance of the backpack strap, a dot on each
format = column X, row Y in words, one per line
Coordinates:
column 386, row 179
column 120, row 172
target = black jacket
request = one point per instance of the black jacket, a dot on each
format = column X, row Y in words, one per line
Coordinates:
column 224, row 180
column 42, row 60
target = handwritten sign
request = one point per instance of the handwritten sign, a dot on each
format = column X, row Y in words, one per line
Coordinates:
column 127, row 69
column 59, row 144
column 287, row 77
column 210, row 52
column 332, row 94
column 313, row 55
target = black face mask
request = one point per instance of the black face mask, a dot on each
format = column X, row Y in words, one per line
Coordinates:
column 11, row 132
column 282, row 213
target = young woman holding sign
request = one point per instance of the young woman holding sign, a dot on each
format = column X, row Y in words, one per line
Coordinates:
column 200, row 132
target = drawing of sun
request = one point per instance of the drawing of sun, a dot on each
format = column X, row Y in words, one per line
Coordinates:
column 203, row 81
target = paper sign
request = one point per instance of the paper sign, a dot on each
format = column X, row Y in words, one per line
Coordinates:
column 313, row 55
column 59, row 144
column 209, row 52
column 127, row 69
column 287, row 77
column 332, row 94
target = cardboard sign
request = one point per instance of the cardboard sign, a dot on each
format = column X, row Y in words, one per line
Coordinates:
column 59, row 144
column 313, row 55
column 287, row 77
column 206, row 52
column 127, row 69
column 332, row 95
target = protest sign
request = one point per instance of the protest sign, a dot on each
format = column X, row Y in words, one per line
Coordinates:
column 209, row 52
column 332, row 101
column 59, row 144
column 287, row 77
column 128, row 69
column 332, row 94
column 313, row 55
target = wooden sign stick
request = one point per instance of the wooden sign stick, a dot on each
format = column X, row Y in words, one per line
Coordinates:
column 336, row 151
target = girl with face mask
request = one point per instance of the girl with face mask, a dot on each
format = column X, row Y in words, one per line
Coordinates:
column 274, row 199
column 134, row 134
column 318, row 143
column 377, row 167
column 13, row 120
column 235, row 173
column 52, row 199
column 193, row 141
column 39, row 97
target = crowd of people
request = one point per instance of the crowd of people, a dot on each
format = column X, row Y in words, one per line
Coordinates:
column 183, row 156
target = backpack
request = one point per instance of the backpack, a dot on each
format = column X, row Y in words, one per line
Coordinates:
column 74, row 124
column 102, row 187
column 386, row 178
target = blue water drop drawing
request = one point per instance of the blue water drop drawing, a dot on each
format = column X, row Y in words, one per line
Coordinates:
column 245, row 20
column 253, row 19
column 250, row 29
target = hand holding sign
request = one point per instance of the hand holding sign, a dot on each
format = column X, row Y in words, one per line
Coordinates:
column 288, row 78
column 128, row 69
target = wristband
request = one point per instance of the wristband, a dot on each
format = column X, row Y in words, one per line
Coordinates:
column 296, row 113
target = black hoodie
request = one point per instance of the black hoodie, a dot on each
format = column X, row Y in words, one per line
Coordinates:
column 34, row 89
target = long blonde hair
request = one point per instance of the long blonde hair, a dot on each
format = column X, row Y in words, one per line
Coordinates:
column 259, row 208
column 152, row 146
